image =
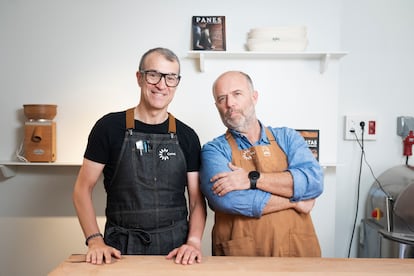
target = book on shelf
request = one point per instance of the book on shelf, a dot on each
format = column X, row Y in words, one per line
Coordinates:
column 311, row 137
column 208, row 33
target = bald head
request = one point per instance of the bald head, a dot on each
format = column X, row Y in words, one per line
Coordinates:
column 232, row 76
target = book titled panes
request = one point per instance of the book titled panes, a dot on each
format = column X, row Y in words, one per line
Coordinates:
column 208, row 33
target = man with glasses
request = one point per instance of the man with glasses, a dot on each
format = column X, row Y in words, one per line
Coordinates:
column 260, row 181
column 149, row 159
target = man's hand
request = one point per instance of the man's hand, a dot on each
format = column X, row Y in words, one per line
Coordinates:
column 99, row 252
column 226, row 182
column 305, row 206
column 186, row 254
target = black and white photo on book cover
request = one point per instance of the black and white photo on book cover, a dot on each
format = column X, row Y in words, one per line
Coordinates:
column 208, row 33
column 311, row 137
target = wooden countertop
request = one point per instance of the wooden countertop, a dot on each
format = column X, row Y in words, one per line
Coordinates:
column 213, row 265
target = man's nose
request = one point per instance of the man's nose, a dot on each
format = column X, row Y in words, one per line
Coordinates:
column 230, row 101
column 161, row 84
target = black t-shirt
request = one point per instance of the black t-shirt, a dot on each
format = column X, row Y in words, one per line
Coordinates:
column 106, row 138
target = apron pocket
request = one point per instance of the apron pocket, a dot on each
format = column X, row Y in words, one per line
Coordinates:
column 303, row 245
column 239, row 247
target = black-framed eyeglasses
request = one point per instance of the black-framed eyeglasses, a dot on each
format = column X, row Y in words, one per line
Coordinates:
column 154, row 77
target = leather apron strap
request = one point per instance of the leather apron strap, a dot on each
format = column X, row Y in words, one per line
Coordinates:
column 130, row 121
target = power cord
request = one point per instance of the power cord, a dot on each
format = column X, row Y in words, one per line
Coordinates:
column 361, row 144
column 406, row 163
column 19, row 154
column 363, row 157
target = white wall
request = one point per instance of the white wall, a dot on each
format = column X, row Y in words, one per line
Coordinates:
column 376, row 78
column 82, row 55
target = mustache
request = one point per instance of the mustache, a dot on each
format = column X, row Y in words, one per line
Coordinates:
column 232, row 110
column 229, row 121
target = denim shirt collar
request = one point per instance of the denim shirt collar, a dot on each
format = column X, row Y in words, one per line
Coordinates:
column 244, row 143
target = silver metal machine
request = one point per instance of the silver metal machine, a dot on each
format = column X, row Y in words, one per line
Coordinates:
column 387, row 231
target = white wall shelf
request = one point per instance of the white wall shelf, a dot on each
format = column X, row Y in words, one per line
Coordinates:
column 324, row 57
column 9, row 168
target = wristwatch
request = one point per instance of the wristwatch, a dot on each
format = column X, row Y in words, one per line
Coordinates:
column 253, row 177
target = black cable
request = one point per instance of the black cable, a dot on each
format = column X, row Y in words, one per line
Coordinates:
column 358, row 187
column 370, row 168
column 389, row 197
column 362, row 125
column 376, row 180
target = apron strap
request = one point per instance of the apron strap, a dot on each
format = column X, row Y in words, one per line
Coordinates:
column 143, row 235
column 231, row 141
column 171, row 124
column 130, row 121
column 269, row 135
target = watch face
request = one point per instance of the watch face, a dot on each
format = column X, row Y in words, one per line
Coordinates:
column 254, row 175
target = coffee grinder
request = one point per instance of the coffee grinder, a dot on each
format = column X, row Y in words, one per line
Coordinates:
column 40, row 132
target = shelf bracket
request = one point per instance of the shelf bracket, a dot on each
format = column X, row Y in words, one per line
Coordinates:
column 7, row 171
column 324, row 63
column 201, row 62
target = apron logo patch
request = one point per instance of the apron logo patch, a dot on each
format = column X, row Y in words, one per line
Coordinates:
column 266, row 151
column 164, row 155
column 247, row 154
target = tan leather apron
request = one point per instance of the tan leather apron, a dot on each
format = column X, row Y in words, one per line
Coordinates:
column 283, row 234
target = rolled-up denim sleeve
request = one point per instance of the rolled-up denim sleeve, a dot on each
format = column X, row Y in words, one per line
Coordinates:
column 306, row 172
column 308, row 183
column 215, row 159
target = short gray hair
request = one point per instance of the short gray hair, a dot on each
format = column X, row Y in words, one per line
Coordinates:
column 167, row 53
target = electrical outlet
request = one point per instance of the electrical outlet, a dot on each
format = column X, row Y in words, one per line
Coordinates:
column 353, row 127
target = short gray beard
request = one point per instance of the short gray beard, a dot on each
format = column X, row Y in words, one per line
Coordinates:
column 243, row 124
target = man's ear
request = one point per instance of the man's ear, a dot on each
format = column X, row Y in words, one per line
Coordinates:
column 255, row 95
column 140, row 78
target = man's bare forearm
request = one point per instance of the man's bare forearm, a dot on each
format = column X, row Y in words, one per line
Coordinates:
column 278, row 203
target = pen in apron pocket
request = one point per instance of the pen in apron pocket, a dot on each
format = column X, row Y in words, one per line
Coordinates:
column 140, row 146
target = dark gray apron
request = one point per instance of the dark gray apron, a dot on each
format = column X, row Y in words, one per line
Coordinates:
column 146, row 206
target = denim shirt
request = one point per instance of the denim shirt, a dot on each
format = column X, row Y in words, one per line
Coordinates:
column 306, row 172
